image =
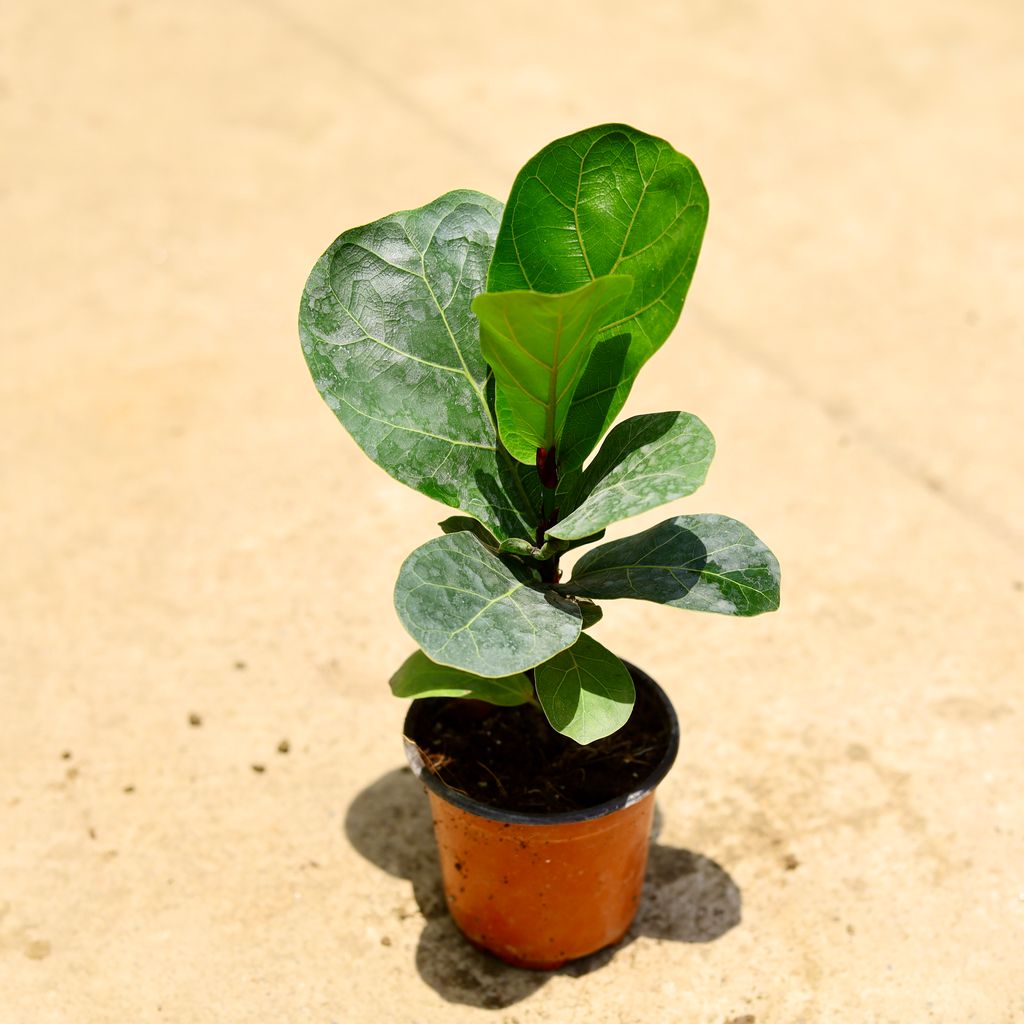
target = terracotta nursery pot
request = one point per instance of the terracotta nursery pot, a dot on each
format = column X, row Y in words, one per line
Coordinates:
column 540, row 889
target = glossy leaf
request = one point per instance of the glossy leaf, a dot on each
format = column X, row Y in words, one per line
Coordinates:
column 393, row 347
column 607, row 200
column 585, row 691
column 461, row 524
column 421, row 677
column 644, row 462
column 469, row 609
column 538, row 346
column 706, row 563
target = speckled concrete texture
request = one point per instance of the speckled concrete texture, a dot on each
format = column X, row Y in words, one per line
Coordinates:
column 197, row 561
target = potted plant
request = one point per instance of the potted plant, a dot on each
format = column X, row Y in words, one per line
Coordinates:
column 480, row 353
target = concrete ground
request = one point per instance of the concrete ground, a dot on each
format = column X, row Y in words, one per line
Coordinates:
column 186, row 530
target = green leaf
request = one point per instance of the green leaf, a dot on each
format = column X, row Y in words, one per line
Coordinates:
column 592, row 613
column 607, row 200
column 520, row 547
column 585, row 691
column 420, row 677
column 707, row 563
column 467, row 608
column 554, row 546
column 596, row 403
column 393, row 347
column 538, row 346
column 460, row 524
column 644, row 462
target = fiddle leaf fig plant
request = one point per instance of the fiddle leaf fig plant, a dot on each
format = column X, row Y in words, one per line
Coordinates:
column 479, row 353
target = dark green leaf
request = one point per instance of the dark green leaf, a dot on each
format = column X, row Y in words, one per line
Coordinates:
column 607, row 200
column 421, row 677
column 538, row 346
column 394, row 350
column 644, row 462
column 585, row 691
column 463, row 524
column 591, row 612
column 467, row 608
column 706, row 563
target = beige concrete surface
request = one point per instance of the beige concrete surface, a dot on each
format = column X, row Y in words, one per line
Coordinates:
column 187, row 531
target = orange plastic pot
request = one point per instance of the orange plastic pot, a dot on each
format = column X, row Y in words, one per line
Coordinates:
column 538, row 890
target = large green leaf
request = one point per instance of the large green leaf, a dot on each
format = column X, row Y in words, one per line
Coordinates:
column 607, row 200
column 707, row 563
column 538, row 346
column 393, row 347
column 467, row 608
column 421, row 677
column 644, row 462
column 585, row 691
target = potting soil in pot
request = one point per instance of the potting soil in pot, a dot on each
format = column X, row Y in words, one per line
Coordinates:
column 511, row 758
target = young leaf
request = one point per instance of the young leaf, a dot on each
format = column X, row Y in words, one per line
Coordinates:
column 392, row 345
column 537, row 346
column 644, row 462
column 607, row 200
column 585, row 691
column 707, row 563
column 554, row 546
column 520, row 547
column 466, row 608
column 460, row 524
column 420, row 677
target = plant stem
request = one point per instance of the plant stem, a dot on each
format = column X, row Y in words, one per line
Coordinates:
column 549, row 512
column 547, row 471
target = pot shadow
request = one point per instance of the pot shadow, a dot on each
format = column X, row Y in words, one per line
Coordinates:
column 687, row 898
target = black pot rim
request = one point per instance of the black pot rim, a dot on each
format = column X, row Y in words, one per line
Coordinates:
column 466, row 803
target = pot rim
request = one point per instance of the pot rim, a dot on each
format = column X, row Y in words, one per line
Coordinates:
column 482, row 810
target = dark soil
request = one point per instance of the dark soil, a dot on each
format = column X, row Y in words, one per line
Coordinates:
column 511, row 758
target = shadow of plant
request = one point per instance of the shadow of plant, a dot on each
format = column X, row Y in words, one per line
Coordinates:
column 687, row 898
